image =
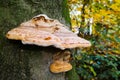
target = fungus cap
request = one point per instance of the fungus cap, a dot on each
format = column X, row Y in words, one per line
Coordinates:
column 44, row 31
column 60, row 66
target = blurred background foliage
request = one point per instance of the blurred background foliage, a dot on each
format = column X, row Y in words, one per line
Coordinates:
column 99, row 22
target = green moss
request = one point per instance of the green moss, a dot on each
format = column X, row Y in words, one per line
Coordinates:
column 65, row 11
column 72, row 75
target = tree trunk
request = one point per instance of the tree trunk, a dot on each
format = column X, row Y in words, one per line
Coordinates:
column 26, row 62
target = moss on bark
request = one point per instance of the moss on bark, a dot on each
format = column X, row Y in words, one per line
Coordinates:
column 72, row 75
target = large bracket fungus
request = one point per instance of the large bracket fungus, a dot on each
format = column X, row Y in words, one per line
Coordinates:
column 44, row 31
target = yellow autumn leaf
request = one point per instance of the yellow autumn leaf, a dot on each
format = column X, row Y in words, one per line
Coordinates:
column 72, row 1
column 115, row 7
column 104, row 12
column 87, row 16
column 93, row 29
column 87, row 10
column 79, row 8
column 117, row 1
column 96, row 17
column 74, row 23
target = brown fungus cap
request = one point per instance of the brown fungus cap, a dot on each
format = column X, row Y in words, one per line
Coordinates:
column 60, row 66
column 43, row 31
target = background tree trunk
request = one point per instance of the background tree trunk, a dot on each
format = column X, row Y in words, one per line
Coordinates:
column 27, row 62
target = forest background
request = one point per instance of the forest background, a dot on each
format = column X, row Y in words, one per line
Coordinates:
column 99, row 22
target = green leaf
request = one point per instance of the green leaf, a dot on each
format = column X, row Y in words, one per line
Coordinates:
column 92, row 70
column 117, row 39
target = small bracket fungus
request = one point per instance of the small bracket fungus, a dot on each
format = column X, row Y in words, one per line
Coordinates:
column 44, row 31
column 61, row 62
column 60, row 66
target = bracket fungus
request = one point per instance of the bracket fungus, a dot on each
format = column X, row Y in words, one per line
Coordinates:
column 60, row 66
column 61, row 62
column 44, row 31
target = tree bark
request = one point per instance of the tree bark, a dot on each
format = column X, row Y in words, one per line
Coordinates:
column 26, row 62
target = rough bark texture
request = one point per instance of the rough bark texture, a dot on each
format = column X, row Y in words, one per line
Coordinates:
column 26, row 62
